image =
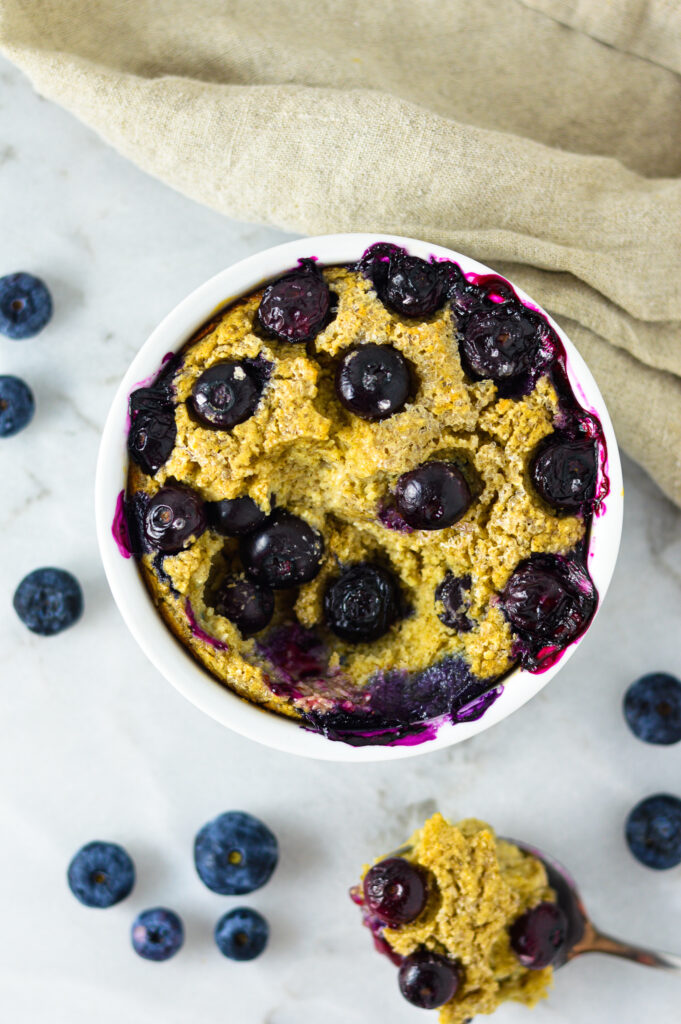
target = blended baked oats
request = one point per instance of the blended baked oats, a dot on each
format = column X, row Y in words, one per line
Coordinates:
column 361, row 495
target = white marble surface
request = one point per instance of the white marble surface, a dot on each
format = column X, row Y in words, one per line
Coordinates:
column 93, row 742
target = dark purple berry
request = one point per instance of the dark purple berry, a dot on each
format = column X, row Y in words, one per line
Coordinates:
column 413, row 287
column 248, row 605
column 653, row 831
column 25, row 305
column 361, row 604
column 549, row 600
column 157, row 934
column 451, row 593
column 428, row 980
column 226, row 394
column 373, row 381
column 233, row 517
column 17, row 405
column 152, row 428
column 297, row 306
column 652, row 708
column 172, row 517
column 48, row 601
column 283, row 552
column 395, row 891
column 538, row 936
column 375, row 263
column 500, row 343
column 564, row 471
column 432, row 496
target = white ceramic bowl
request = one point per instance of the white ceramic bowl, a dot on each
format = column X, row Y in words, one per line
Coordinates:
column 129, row 591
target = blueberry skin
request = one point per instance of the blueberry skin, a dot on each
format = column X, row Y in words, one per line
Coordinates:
column 652, row 708
column 157, row 934
column 653, row 831
column 101, row 874
column 48, row 601
column 25, row 305
column 17, row 405
column 235, row 853
column 234, row 517
column 242, row 934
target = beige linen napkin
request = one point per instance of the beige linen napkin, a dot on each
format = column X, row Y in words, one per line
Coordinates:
column 541, row 136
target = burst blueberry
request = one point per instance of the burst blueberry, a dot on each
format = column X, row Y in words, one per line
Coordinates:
column 395, row 891
column 362, row 603
column 451, row 594
column 248, row 605
column 25, row 305
column 157, row 934
column 653, row 831
column 412, row 287
column 282, row 553
column 235, row 853
column 500, row 343
column 538, row 936
column 48, row 601
column 17, row 405
column 428, row 979
column 242, row 934
column 225, row 394
column 652, row 708
column 153, row 430
column 564, row 471
column 173, row 516
column 101, row 874
column 297, row 306
column 549, row 600
column 234, row 517
column 373, row 381
column 375, row 263
column 432, row 496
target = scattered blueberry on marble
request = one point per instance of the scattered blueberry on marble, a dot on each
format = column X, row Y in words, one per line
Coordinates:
column 242, row 934
column 538, row 936
column 233, row 517
column 25, row 305
column 564, row 472
column 235, row 853
column 432, row 496
column 283, row 552
column 225, row 394
column 373, row 381
column 17, row 405
column 362, row 603
column 101, row 874
column 653, row 831
column 48, row 601
column 652, row 708
column 157, row 934
column 173, row 515
column 395, row 891
column 248, row 605
column 428, row 980
column 297, row 306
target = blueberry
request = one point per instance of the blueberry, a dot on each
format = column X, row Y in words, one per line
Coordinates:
column 564, row 471
column 157, row 934
column 172, row 517
column 432, row 496
column 234, row 517
column 549, row 599
column 373, row 381
column 25, row 305
column 652, row 708
column 653, row 831
column 225, row 394
column 413, row 287
column 153, row 430
column 500, row 343
column 451, row 594
column 361, row 604
column 248, row 605
column 538, row 936
column 17, row 405
column 375, row 263
column 242, row 934
column 48, row 601
column 101, row 874
column 283, row 552
column 428, row 980
column 235, row 853
column 297, row 306
column 395, row 891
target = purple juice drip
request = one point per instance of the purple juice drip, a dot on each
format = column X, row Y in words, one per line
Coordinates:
column 119, row 527
column 199, row 633
column 375, row 926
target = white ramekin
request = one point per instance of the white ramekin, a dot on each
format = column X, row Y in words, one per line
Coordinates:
column 129, row 591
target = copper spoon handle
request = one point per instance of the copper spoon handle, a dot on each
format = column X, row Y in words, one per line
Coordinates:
column 595, row 941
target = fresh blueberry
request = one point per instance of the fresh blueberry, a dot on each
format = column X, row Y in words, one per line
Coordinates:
column 297, row 306
column 564, row 471
column 395, row 891
column 234, row 517
column 413, row 287
column 283, row 552
column 373, row 381
column 157, row 934
column 235, row 853
column 653, row 831
column 361, row 604
column 48, row 601
column 172, row 517
column 25, row 305
column 248, row 605
column 451, row 594
column 538, row 936
column 432, row 496
column 226, row 394
column 500, row 343
column 153, row 430
column 17, row 405
column 242, row 934
column 428, row 980
column 652, row 708
column 101, row 874
column 549, row 600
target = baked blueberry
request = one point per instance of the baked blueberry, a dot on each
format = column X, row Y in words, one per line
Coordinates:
column 48, row 601
column 653, row 831
column 225, row 394
column 283, row 552
column 395, row 891
column 153, row 431
column 248, row 605
column 242, row 934
column 373, row 381
column 157, row 934
column 375, row 263
column 413, row 287
column 432, row 496
column 172, row 517
column 564, row 471
column 297, row 306
column 234, row 517
column 652, row 708
column 362, row 604
column 427, row 979
column 451, row 594
column 101, row 874
column 17, row 405
column 549, row 600
column 25, row 305
column 500, row 343
column 235, row 853
column 538, row 936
